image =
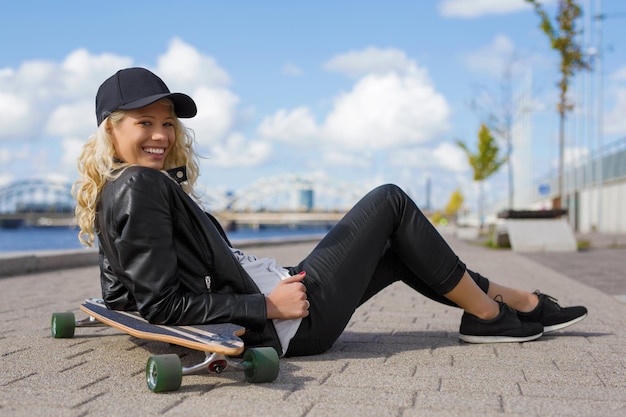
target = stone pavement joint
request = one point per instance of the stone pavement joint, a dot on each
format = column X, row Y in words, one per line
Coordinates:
column 399, row 356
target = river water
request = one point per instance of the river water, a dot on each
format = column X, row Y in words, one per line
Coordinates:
column 61, row 238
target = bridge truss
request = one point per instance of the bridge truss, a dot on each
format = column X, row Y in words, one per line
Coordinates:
column 296, row 193
column 280, row 193
column 37, row 195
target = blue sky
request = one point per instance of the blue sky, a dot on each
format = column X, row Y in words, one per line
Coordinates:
column 362, row 92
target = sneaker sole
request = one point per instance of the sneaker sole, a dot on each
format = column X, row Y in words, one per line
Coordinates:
column 554, row 327
column 498, row 339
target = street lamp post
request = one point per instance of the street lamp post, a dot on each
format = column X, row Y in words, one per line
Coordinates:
column 599, row 17
column 600, row 112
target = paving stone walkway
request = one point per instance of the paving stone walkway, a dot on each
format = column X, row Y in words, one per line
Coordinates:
column 400, row 356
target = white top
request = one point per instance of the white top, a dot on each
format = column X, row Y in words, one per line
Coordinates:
column 266, row 274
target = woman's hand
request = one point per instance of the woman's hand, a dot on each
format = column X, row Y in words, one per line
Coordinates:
column 288, row 299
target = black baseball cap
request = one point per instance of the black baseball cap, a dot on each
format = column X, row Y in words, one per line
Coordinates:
column 133, row 88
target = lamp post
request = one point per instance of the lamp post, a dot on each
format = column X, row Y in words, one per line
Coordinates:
column 599, row 17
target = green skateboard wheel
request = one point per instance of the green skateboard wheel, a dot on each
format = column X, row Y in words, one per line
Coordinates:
column 261, row 364
column 164, row 373
column 62, row 325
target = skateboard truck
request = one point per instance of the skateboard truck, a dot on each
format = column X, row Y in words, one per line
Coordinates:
column 165, row 372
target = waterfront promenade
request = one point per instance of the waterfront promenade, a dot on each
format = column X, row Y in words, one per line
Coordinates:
column 399, row 356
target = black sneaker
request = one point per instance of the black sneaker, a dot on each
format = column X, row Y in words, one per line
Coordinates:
column 506, row 327
column 553, row 317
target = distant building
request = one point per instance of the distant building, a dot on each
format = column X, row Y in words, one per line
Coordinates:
column 594, row 190
column 306, row 199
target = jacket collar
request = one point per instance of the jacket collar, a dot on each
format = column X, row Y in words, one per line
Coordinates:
column 179, row 174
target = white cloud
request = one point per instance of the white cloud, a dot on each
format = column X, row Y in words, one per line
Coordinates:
column 575, row 156
column 387, row 111
column 370, row 60
column 38, row 89
column 5, row 180
column 5, row 156
column 22, row 157
column 417, row 157
column 41, row 100
column 289, row 126
column 15, row 115
column 72, row 147
column 184, row 68
column 394, row 104
column 36, row 80
column 238, row 152
column 342, row 159
column 81, row 72
column 292, row 70
column 451, row 157
column 619, row 75
column 216, row 114
column 74, row 119
column 614, row 121
column 494, row 58
column 445, row 156
column 480, row 8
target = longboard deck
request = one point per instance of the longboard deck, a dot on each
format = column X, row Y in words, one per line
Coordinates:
column 215, row 338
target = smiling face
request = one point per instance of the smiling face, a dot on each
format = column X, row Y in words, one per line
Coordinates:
column 144, row 136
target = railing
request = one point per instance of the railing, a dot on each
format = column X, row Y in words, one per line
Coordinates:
column 231, row 220
column 597, row 170
column 226, row 218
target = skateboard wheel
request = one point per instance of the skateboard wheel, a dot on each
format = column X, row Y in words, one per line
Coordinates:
column 261, row 364
column 164, row 373
column 62, row 325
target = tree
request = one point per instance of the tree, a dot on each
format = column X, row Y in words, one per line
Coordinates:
column 563, row 40
column 454, row 205
column 485, row 162
column 499, row 114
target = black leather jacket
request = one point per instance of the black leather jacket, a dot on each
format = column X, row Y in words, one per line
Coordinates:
column 162, row 255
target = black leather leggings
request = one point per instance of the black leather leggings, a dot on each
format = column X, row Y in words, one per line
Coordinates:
column 384, row 238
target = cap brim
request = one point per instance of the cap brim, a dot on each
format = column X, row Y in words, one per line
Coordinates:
column 184, row 106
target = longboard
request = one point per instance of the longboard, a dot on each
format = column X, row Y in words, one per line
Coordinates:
column 216, row 338
column 164, row 372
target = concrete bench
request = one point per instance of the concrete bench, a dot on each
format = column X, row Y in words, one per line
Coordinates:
column 535, row 231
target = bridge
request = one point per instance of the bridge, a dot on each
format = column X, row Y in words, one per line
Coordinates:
column 287, row 193
column 41, row 202
column 281, row 200
column 232, row 220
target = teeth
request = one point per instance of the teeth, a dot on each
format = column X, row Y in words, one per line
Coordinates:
column 154, row 150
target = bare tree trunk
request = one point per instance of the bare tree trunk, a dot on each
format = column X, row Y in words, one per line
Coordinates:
column 481, row 205
column 559, row 201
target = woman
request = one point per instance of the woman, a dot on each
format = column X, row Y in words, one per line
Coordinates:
column 162, row 255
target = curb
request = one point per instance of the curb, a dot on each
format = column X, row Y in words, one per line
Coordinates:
column 23, row 263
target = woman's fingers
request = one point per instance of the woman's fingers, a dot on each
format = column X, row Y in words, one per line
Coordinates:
column 288, row 300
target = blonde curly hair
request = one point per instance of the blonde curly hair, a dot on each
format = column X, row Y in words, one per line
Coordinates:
column 98, row 164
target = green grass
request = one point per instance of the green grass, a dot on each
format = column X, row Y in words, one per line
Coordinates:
column 491, row 244
column 583, row 244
